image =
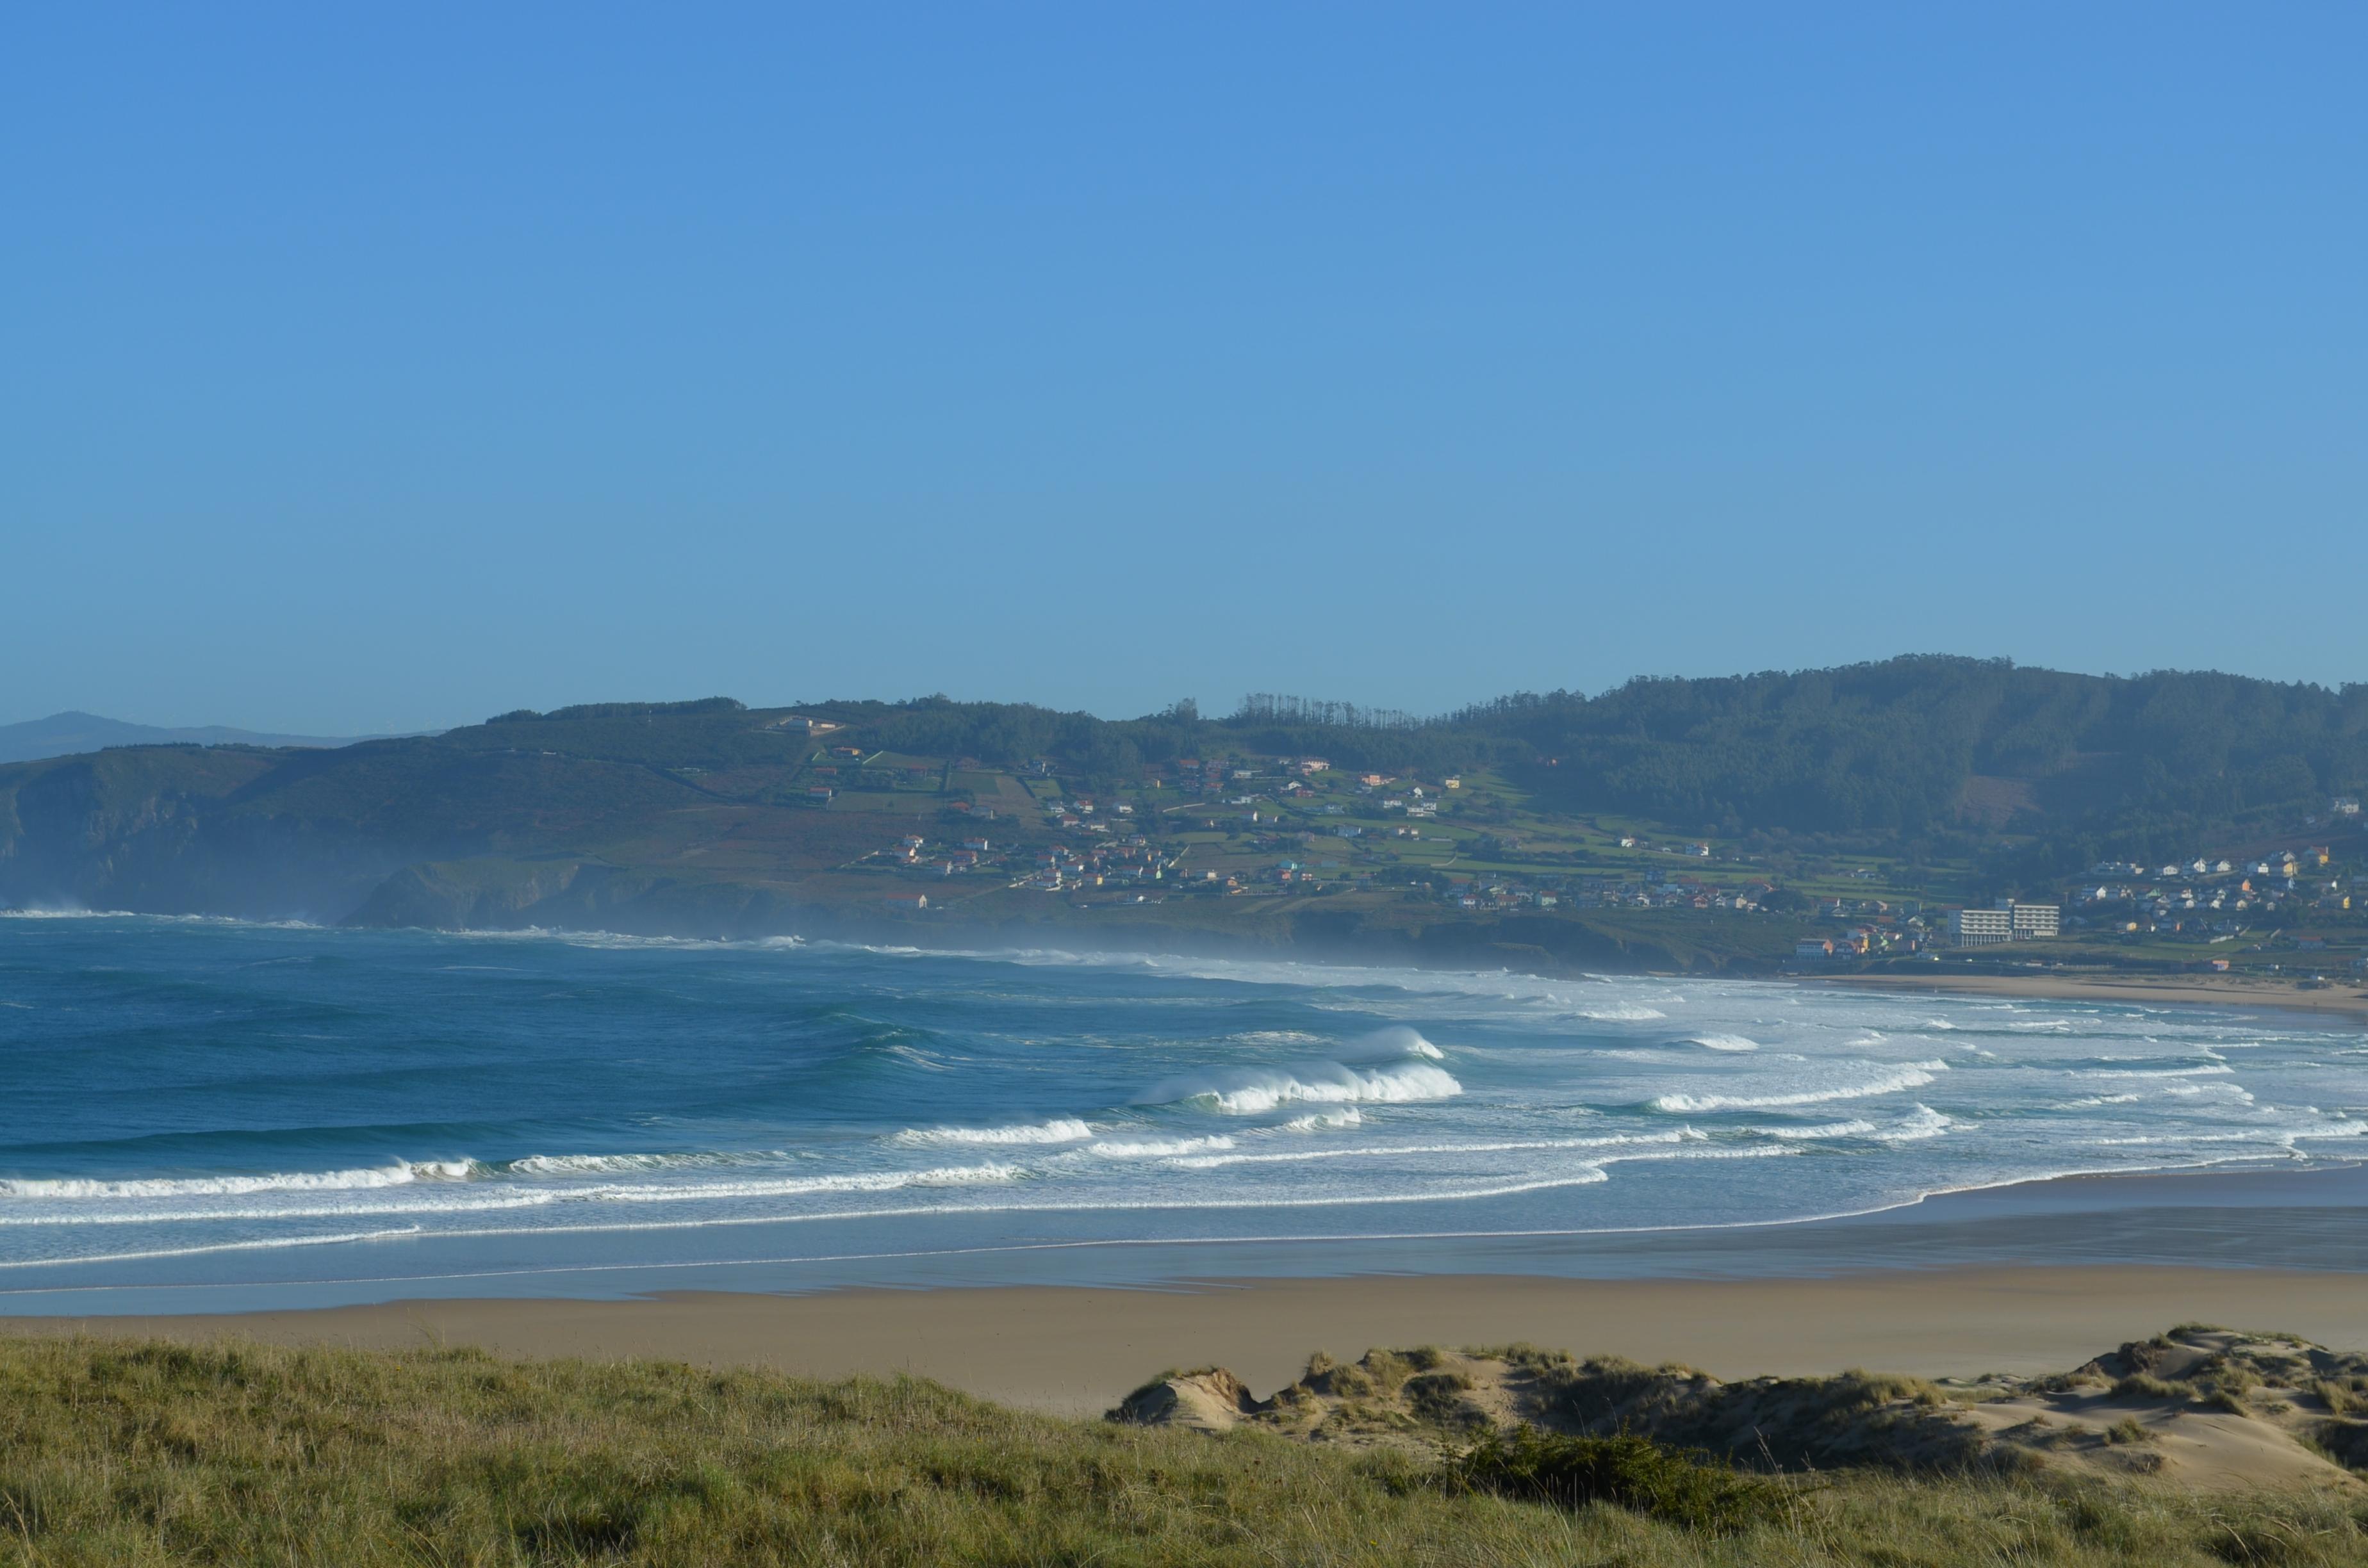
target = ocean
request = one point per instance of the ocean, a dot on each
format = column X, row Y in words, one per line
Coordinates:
column 205, row 1113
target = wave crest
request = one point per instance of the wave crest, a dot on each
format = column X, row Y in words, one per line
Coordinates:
column 1060, row 1129
column 1251, row 1090
column 401, row 1173
column 1913, row 1075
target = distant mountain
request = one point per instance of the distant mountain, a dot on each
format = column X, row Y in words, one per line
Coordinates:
column 68, row 735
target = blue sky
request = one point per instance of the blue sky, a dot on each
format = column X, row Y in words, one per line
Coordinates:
column 373, row 367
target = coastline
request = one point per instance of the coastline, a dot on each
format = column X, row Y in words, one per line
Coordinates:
column 2337, row 1000
column 2341, row 998
column 1076, row 1350
column 2024, row 1277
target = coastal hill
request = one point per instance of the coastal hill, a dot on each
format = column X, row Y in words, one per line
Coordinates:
column 1665, row 824
column 65, row 735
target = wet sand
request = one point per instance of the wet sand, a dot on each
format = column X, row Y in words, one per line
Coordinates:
column 1076, row 1350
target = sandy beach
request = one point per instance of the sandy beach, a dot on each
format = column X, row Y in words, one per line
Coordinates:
column 1076, row 1350
column 2340, row 998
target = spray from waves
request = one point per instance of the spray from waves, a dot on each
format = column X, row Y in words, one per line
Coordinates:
column 1735, row 1043
column 1249, row 1091
column 1914, row 1075
column 1937, row 1024
column 1624, row 1013
column 1061, row 1129
column 403, row 1173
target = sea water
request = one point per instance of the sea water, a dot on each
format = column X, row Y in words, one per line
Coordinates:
column 197, row 1103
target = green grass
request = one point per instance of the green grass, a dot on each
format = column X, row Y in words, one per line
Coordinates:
column 117, row 1452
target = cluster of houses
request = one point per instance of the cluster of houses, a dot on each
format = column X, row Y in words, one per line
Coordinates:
column 915, row 851
column 2182, row 898
column 1861, row 941
column 1128, row 863
column 1666, row 890
column 1693, row 850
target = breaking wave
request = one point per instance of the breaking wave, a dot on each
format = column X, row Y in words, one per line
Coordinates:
column 627, row 1165
column 1914, row 1075
column 1723, row 1041
column 1249, row 1090
column 1392, row 1044
column 1830, row 1130
column 1158, row 1148
column 401, row 1174
column 1061, row 1129
column 1346, row 1115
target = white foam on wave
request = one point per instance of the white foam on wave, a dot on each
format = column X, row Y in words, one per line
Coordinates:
column 1829, row 1130
column 1061, row 1129
column 1247, row 1091
column 627, row 1165
column 1411, row 1151
column 1344, row 1115
column 1624, row 1013
column 1585, row 1176
column 156, row 919
column 1158, row 1148
column 1913, row 1075
column 1730, row 1042
column 260, row 1243
column 1917, row 1125
column 799, row 1187
column 401, row 1174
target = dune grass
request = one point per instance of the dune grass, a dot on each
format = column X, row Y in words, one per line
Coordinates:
column 120, row 1453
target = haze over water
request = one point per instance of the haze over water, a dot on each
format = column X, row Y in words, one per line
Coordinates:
column 197, row 1103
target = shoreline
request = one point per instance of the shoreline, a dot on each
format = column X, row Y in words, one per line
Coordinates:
column 2020, row 1277
column 2337, row 1000
column 1076, row 1350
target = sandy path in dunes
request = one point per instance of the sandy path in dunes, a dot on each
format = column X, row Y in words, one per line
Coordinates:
column 1076, row 1350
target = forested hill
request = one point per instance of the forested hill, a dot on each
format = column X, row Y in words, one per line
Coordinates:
column 1913, row 746
column 2012, row 775
column 1916, row 743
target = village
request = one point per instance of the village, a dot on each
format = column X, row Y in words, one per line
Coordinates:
column 1245, row 826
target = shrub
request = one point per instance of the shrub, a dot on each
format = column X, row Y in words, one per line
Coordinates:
column 1625, row 1471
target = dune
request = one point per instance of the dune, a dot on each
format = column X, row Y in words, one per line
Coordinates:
column 2202, row 1408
